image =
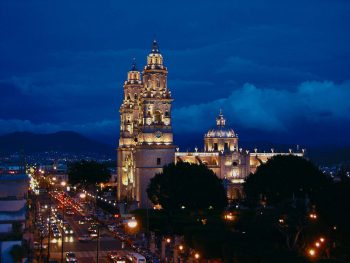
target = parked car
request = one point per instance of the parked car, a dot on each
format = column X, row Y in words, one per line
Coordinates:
column 70, row 257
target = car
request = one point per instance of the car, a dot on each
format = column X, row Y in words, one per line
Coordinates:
column 88, row 218
column 92, row 229
column 93, row 234
column 113, row 254
column 68, row 230
column 84, row 238
column 69, row 212
column 56, row 234
column 70, row 257
column 112, row 228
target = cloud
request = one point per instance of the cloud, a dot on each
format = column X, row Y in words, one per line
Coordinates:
column 245, row 69
column 271, row 110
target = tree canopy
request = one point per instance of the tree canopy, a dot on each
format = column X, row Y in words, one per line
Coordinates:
column 88, row 173
column 192, row 186
column 284, row 177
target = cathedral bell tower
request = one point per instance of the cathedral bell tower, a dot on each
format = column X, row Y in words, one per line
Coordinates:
column 130, row 113
column 156, row 102
column 155, row 141
column 146, row 137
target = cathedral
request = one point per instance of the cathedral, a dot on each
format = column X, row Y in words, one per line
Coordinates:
column 146, row 138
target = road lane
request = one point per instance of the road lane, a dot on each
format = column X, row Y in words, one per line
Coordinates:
column 85, row 251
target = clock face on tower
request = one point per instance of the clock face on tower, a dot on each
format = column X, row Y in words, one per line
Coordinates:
column 158, row 134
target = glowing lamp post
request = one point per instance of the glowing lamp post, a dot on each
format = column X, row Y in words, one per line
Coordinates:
column 197, row 256
column 132, row 223
column 82, row 195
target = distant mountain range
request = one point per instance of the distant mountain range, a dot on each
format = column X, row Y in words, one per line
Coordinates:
column 72, row 142
column 64, row 141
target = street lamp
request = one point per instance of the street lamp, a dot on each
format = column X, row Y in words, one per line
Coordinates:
column 312, row 252
column 63, row 183
column 82, row 195
column 132, row 223
column 196, row 256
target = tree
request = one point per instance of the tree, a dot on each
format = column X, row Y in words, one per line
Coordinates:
column 284, row 177
column 18, row 252
column 192, row 186
column 88, row 173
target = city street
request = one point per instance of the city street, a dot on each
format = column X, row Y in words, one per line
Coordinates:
column 85, row 251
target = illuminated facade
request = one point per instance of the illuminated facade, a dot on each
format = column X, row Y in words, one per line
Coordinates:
column 223, row 155
column 146, row 138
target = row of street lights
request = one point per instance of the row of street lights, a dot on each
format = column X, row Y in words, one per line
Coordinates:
column 312, row 252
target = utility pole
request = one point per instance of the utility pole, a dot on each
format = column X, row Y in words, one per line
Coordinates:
column 62, row 243
column 41, row 245
column 49, row 238
column 98, row 243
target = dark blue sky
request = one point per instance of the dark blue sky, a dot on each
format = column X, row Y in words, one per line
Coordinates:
column 280, row 70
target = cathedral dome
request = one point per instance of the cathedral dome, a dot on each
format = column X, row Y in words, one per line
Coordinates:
column 220, row 131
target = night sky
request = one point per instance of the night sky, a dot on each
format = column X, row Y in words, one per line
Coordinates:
column 279, row 70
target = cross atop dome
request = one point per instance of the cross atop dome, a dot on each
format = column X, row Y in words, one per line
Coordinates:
column 220, row 120
column 133, row 66
column 155, row 48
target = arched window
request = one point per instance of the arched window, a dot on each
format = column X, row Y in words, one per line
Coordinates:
column 158, row 83
column 135, row 96
column 157, row 117
column 226, row 146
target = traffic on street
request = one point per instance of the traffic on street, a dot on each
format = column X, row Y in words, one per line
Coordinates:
column 70, row 229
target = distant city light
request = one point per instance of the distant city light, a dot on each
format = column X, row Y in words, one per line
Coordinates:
column 312, row 252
